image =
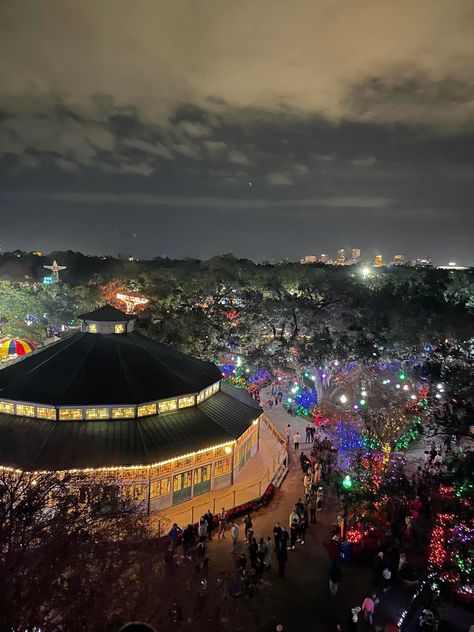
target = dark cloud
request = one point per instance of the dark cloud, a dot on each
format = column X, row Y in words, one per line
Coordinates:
column 344, row 114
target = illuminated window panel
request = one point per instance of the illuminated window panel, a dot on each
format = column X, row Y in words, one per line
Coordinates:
column 202, row 474
column 165, row 468
column 160, row 488
column 66, row 414
column 178, row 464
column 92, row 328
column 97, row 413
column 185, row 402
column 182, row 481
column 222, row 466
column 25, row 411
column 204, row 456
column 147, row 409
column 139, row 492
column 200, row 397
column 168, row 406
column 119, row 328
column 127, row 412
column 7, row 407
column 214, row 388
column 45, row 413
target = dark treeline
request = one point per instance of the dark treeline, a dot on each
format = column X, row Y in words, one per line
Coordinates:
column 313, row 313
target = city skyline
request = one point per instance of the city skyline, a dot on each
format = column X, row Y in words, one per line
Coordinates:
column 190, row 131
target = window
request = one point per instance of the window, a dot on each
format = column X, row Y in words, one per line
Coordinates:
column 139, row 492
column 123, row 413
column 222, row 466
column 254, row 438
column 161, row 488
column 182, row 481
column 215, row 388
column 70, row 413
column 203, row 395
column 92, row 328
column 203, row 456
column 119, row 328
column 165, row 468
column 168, row 406
column 7, row 407
column 45, row 413
column 183, row 462
column 146, row 409
column 97, row 413
column 185, row 402
column 202, row 474
column 25, row 411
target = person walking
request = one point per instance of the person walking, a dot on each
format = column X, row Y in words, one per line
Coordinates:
column 209, row 518
column 319, row 499
column 293, row 516
column 253, row 549
column 302, row 529
column 368, row 607
column 222, row 523
column 299, row 507
column 277, row 534
column 296, row 440
column 261, row 553
column 173, row 535
column 288, row 433
column 335, row 576
column 202, row 530
column 248, row 525
column 352, row 625
column 234, row 532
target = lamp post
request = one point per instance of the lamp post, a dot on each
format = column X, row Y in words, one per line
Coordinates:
column 347, row 486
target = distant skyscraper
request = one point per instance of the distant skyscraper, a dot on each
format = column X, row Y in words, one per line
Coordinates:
column 341, row 256
column 378, row 261
column 424, row 262
column 356, row 254
column 309, row 259
column 323, row 258
column 398, row 259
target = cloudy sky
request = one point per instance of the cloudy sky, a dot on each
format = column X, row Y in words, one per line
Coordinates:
column 266, row 128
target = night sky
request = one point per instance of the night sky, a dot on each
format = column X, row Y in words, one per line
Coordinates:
column 268, row 129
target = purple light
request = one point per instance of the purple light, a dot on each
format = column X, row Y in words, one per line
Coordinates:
column 324, row 375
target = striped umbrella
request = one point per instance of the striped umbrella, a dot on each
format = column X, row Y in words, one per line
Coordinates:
column 15, row 346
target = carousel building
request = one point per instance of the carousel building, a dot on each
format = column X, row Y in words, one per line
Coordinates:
column 137, row 417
